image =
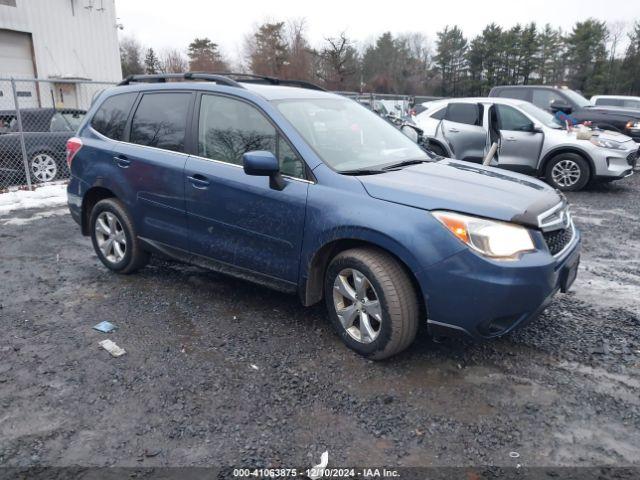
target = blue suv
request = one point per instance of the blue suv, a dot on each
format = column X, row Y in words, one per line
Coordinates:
column 284, row 184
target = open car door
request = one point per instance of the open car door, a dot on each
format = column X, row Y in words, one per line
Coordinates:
column 463, row 130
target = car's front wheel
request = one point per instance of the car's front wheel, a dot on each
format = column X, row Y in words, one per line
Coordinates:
column 114, row 237
column 371, row 302
column 568, row 172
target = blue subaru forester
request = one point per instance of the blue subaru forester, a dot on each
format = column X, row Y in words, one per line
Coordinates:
column 284, row 184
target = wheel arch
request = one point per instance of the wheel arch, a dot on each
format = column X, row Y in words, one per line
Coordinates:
column 90, row 198
column 560, row 150
column 312, row 289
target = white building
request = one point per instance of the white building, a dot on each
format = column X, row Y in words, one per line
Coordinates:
column 57, row 40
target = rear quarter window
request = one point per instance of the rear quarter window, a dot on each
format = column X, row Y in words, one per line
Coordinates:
column 111, row 118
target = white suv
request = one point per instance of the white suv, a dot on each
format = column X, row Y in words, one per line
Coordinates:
column 530, row 140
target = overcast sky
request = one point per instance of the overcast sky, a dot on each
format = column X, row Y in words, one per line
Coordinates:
column 170, row 23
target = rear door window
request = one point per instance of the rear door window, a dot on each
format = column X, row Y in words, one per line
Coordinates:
column 517, row 93
column 160, row 121
column 111, row 118
column 467, row 113
column 59, row 124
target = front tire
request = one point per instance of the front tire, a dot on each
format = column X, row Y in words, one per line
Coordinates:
column 568, row 172
column 43, row 167
column 371, row 302
column 114, row 237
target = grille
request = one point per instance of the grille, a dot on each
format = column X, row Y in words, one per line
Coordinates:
column 632, row 158
column 558, row 239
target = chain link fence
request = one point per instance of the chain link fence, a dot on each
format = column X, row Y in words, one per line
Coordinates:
column 37, row 117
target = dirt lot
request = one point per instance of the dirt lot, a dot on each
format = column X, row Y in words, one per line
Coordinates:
column 220, row 372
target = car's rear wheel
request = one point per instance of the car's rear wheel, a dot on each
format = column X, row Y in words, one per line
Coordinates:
column 43, row 167
column 568, row 172
column 114, row 237
column 371, row 302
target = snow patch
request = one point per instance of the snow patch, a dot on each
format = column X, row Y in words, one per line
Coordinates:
column 38, row 216
column 41, row 197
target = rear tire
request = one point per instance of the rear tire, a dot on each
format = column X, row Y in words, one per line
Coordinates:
column 114, row 237
column 568, row 172
column 380, row 319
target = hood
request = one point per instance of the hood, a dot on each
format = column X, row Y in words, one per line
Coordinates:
column 632, row 113
column 466, row 188
column 563, row 134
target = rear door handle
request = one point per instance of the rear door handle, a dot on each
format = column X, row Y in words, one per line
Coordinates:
column 199, row 181
column 454, row 130
column 511, row 139
column 122, row 161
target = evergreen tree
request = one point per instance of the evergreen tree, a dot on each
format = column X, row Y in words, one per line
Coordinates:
column 151, row 62
column 204, row 56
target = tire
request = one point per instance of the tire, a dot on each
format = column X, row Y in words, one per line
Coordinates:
column 394, row 324
column 43, row 167
column 568, row 172
column 124, row 254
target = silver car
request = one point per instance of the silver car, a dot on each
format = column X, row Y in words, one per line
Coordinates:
column 530, row 141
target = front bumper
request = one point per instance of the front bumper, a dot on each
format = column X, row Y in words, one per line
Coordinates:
column 482, row 298
column 614, row 164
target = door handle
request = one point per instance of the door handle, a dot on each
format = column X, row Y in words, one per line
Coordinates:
column 511, row 139
column 122, row 161
column 454, row 130
column 199, row 181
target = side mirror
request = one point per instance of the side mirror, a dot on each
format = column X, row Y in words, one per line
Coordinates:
column 537, row 128
column 263, row 164
column 410, row 132
column 559, row 106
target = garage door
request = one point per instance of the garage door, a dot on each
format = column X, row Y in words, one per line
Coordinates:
column 16, row 60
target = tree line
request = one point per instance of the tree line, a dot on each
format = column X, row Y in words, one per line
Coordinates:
column 593, row 57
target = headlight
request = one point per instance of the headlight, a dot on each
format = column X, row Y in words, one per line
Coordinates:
column 499, row 240
column 601, row 142
column 633, row 125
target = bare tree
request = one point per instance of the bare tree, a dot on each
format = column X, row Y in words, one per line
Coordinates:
column 173, row 61
column 339, row 62
column 300, row 61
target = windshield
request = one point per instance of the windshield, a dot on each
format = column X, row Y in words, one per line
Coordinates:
column 348, row 136
column 74, row 119
column 540, row 115
column 577, row 98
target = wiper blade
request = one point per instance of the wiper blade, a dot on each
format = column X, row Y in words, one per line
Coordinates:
column 362, row 171
column 405, row 163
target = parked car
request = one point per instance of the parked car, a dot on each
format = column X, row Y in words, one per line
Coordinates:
column 616, row 101
column 554, row 99
column 46, row 131
column 308, row 192
column 530, row 140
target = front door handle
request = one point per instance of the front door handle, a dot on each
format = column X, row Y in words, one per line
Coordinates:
column 122, row 161
column 454, row 130
column 511, row 139
column 199, row 181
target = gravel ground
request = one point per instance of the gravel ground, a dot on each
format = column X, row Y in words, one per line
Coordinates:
column 221, row 372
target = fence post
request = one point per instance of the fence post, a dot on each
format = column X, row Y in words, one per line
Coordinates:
column 23, row 147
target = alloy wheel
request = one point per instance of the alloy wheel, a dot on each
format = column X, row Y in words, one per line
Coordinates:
column 110, row 236
column 43, row 167
column 566, row 173
column 357, row 305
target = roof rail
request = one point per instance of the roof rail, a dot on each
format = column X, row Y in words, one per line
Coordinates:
column 252, row 78
column 230, row 79
column 163, row 77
